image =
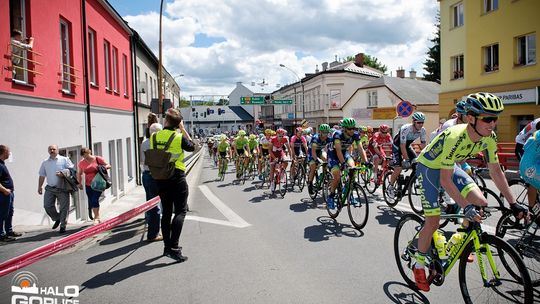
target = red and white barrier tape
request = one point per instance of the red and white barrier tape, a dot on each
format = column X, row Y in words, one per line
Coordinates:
column 70, row 240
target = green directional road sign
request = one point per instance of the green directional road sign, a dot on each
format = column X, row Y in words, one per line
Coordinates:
column 282, row 101
column 252, row 100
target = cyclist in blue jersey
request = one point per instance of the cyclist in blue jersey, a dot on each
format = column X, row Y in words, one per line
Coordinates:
column 318, row 142
column 529, row 166
column 339, row 155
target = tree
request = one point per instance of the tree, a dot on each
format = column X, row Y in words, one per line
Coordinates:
column 433, row 63
column 184, row 103
column 371, row 61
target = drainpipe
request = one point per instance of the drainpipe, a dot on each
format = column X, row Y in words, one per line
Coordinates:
column 135, row 89
column 85, row 77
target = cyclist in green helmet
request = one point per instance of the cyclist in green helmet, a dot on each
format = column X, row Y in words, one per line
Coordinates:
column 316, row 150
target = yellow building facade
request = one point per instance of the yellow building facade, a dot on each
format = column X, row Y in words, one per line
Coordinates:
column 491, row 46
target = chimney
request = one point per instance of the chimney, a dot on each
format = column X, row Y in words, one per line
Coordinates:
column 316, row 68
column 324, row 66
column 412, row 74
column 359, row 60
column 400, row 72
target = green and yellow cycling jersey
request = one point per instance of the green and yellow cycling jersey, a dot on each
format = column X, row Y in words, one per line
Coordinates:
column 223, row 146
column 240, row 142
column 454, row 145
column 253, row 143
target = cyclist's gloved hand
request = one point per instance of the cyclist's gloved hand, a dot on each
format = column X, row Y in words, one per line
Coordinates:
column 405, row 164
column 471, row 213
column 519, row 210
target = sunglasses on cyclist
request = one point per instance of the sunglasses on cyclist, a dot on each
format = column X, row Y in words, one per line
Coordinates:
column 419, row 122
column 489, row 119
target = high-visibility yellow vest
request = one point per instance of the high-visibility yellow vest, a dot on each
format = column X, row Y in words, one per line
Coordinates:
column 175, row 148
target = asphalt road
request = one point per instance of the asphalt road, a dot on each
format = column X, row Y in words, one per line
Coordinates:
column 243, row 247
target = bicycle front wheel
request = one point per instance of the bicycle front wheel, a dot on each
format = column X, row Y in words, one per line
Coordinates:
column 406, row 246
column 415, row 199
column 390, row 199
column 371, row 181
column 508, row 280
column 358, row 206
column 301, row 177
column 282, row 185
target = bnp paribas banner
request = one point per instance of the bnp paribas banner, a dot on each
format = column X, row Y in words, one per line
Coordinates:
column 520, row 96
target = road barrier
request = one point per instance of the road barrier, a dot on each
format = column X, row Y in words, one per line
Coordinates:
column 42, row 252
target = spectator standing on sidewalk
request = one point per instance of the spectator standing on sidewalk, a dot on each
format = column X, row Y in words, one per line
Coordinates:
column 89, row 166
column 174, row 190
column 51, row 169
column 6, row 199
column 150, row 187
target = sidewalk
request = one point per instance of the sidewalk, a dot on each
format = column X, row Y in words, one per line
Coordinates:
column 37, row 236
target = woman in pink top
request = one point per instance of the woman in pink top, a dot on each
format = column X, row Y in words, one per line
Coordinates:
column 88, row 165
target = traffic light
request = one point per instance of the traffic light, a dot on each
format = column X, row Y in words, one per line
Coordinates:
column 207, row 111
column 219, row 111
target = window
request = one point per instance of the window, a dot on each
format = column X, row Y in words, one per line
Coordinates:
column 457, row 15
column 155, row 88
column 129, row 159
column 67, row 69
column 490, row 5
column 151, row 87
column 125, row 74
column 93, row 56
column 146, row 88
column 114, row 69
column 491, row 58
column 107, row 57
column 372, row 98
column 526, row 49
column 18, row 22
column 458, row 67
column 97, row 149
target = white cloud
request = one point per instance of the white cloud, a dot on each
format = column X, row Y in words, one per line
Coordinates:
column 259, row 35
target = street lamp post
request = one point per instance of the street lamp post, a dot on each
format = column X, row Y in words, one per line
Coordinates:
column 302, row 100
column 160, row 70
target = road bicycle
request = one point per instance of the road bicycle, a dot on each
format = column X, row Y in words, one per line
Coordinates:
column 265, row 172
column 404, row 185
column 351, row 194
column 321, row 181
column 222, row 167
column 251, row 168
column 242, row 168
column 280, row 178
column 499, row 276
column 524, row 235
column 373, row 182
column 299, row 177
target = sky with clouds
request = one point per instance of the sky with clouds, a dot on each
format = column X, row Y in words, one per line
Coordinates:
column 218, row 43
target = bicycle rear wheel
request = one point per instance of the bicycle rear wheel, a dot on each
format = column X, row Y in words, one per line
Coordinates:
column 406, row 246
column 315, row 185
column 513, row 284
column 358, row 206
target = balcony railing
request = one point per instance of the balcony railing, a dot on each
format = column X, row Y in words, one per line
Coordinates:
column 68, row 79
column 23, row 63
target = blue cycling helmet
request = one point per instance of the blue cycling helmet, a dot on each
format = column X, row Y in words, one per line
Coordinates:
column 419, row 116
column 461, row 107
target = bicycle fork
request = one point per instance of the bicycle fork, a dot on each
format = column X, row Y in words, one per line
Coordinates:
column 479, row 249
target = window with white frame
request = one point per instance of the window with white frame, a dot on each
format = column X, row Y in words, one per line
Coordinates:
column 67, row 70
column 107, row 58
column 526, row 49
column 458, row 69
column 372, row 98
column 491, row 58
column 457, row 15
column 20, row 55
column 125, row 74
column 490, row 5
column 92, row 54
column 146, row 88
column 114, row 69
column 151, row 87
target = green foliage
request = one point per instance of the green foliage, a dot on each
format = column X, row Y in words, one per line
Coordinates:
column 371, row 61
column 433, row 63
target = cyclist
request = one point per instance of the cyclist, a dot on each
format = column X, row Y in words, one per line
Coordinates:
column 339, row 156
column 402, row 152
column 241, row 147
column 280, row 142
column 264, row 148
column 521, row 139
column 210, row 144
column 307, row 134
column 375, row 147
column 253, row 145
column 224, row 149
column 529, row 166
column 363, row 132
column 318, row 142
column 436, row 168
column 298, row 147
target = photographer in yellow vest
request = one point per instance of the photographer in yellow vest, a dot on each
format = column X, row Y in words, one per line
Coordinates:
column 174, row 191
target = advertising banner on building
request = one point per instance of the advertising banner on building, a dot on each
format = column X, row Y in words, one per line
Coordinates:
column 362, row 113
column 384, row 113
column 520, row 96
column 335, row 99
